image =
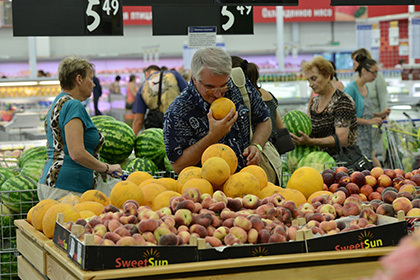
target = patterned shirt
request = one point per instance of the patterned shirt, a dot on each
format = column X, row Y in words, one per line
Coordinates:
column 186, row 121
column 339, row 112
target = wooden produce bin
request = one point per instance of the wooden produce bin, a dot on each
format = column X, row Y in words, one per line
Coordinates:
column 30, row 243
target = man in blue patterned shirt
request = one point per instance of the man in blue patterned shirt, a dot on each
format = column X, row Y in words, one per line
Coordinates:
column 189, row 126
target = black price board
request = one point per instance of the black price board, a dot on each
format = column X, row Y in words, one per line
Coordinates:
column 258, row 2
column 228, row 19
column 373, row 2
column 196, row 3
column 67, row 18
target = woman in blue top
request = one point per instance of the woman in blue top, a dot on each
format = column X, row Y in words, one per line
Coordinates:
column 368, row 70
column 73, row 140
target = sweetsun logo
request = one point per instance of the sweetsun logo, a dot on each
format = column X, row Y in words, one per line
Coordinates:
column 150, row 259
column 259, row 252
column 367, row 241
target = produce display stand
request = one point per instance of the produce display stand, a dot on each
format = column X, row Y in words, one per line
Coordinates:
column 42, row 259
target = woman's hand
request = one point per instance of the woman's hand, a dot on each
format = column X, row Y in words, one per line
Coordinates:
column 376, row 121
column 303, row 139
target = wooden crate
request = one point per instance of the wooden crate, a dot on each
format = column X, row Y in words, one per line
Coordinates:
column 27, row 271
column 30, row 243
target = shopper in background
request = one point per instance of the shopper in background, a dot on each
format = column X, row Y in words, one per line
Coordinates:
column 367, row 70
column 190, row 127
column 97, row 93
column 115, row 87
column 335, row 82
column 252, row 72
column 131, row 92
column 73, row 140
column 147, row 96
column 378, row 93
column 331, row 111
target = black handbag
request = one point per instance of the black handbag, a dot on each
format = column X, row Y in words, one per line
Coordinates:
column 154, row 117
column 351, row 157
column 283, row 142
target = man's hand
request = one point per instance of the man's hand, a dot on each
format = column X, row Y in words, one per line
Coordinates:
column 219, row 128
column 253, row 155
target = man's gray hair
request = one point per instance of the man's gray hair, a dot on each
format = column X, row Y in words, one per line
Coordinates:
column 215, row 59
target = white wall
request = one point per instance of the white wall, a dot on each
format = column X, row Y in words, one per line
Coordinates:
column 312, row 37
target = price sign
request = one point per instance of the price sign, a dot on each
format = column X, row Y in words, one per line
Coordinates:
column 104, row 17
column 236, row 20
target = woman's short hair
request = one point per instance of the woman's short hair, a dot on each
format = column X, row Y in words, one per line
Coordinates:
column 363, row 51
column 70, row 67
column 215, row 59
column 132, row 78
column 324, row 67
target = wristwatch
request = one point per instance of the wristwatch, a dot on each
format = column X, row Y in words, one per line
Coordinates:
column 258, row 146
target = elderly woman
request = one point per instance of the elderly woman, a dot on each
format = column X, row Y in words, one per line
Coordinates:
column 73, row 140
column 331, row 111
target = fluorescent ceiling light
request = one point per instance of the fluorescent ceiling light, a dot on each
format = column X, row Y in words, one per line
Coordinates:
column 44, row 83
column 17, row 84
column 401, row 107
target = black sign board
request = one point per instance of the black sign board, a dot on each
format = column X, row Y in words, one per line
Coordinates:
column 195, row 3
column 228, row 19
column 373, row 2
column 67, row 18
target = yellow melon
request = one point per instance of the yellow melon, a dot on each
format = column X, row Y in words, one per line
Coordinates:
column 95, row 195
column 93, row 206
column 126, row 190
column 241, row 184
column 48, row 222
column 39, row 211
column 162, row 199
column 307, row 180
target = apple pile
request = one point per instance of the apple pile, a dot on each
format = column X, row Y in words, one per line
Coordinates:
column 386, row 190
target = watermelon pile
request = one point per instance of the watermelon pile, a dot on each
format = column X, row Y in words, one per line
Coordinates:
column 18, row 194
column 39, row 153
column 119, row 140
column 318, row 160
column 142, row 164
column 296, row 120
column 6, row 221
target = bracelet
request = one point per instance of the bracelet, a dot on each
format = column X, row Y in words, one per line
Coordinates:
column 257, row 145
column 107, row 168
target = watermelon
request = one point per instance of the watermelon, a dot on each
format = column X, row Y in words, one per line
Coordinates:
column 33, row 168
column 149, row 144
column 19, row 193
column 8, row 265
column 167, row 164
column 142, row 164
column 98, row 119
column 119, row 141
column 293, row 157
column 32, row 153
column 296, row 120
column 318, row 160
column 6, row 221
column 7, row 172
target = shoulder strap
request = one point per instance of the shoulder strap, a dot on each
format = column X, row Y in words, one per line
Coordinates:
column 238, row 78
column 338, row 147
column 160, row 89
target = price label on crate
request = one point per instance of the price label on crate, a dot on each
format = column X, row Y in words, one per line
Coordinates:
column 236, row 20
column 103, row 17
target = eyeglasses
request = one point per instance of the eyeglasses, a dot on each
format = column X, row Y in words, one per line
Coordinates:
column 373, row 72
column 214, row 90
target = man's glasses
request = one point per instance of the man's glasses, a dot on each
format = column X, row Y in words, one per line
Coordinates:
column 373, row 72
column 214, row 90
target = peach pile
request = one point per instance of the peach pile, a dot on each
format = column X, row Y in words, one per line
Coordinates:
column 386, row 190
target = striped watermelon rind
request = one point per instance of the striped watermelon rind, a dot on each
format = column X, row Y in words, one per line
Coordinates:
column 19, row 193
column 149, row 144
column 142, row 164
column 6, row 221
column 296, row 120
column 32, row 153
column 101, row 118
column 119, row 141
column 7, row 172
column 293, row 157
column 318, row 160
column 33, row 169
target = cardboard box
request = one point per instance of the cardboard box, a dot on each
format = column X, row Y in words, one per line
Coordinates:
column 96, row 257
column 245, row 251
column 387, row 232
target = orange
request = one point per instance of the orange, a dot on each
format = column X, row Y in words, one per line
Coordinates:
column 125, row 190
column 137, row 177
column 202, row 185
column 307, row 180
column 326, row 194
column 186, row 174
column 223, row 151
column 150, row 192
column 241, row 184
column 162, row 199
column 216, row 171
column 221, row 107
column 259, row 173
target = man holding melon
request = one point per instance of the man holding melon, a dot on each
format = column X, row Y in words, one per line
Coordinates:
column 192, row 123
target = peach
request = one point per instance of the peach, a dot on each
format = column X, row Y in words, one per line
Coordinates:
column 328, row 208
column 147, row 214
column 126, row 241
column 100, row 230
column 185, row 204
column 183, row 217
column 344, row 180
column 252, row 236
column 217, row 206
column 192, row 194
column 110, row 208
column 384, row 181
column 343, row 169
column 333, row 188
column 399, row 172
column 386, row 209
column 374, row 195
column 199, row 229
column 130, row 207
column 213, row 241
column 235, row 204
column 402, row 203
column 114, row 237
column 149, row 237
column 257, row 223
column 276, row 238
column 371, row 180
column 345, row 190
column 148, row 225
column 327, row 226
column 160, row 231
column 131, row 219
column 292, row 232
column 360, row 222
column 242, row 222
column 220, row 196
column 407, row 195
column 251, row 201
column 185, row 235
column 227, row 213
column 166, row 211
column 263, row 236
column 366, row 190
column 338, row 209
column 291, row 205
column 328, row 178
column 413, row 212
column 407, row 188
column 307, row 208
column 398, row 182
column 122, row 231
column 416, row 203
column 358, row 178
column 369, row 215
column 376, row 172
column 138, row 238
column 390, row 173
column 351, row 208
column 239, row 233
column 231, row 239
column 107, row 242
column 416, row 178
column 221, row 232
column 204, row 219
column 228, row 222
column 168, row 239
column 356, row 200
column 389, row 196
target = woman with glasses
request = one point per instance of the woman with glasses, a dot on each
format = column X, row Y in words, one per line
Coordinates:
column 367, row 70
column 189, row 126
